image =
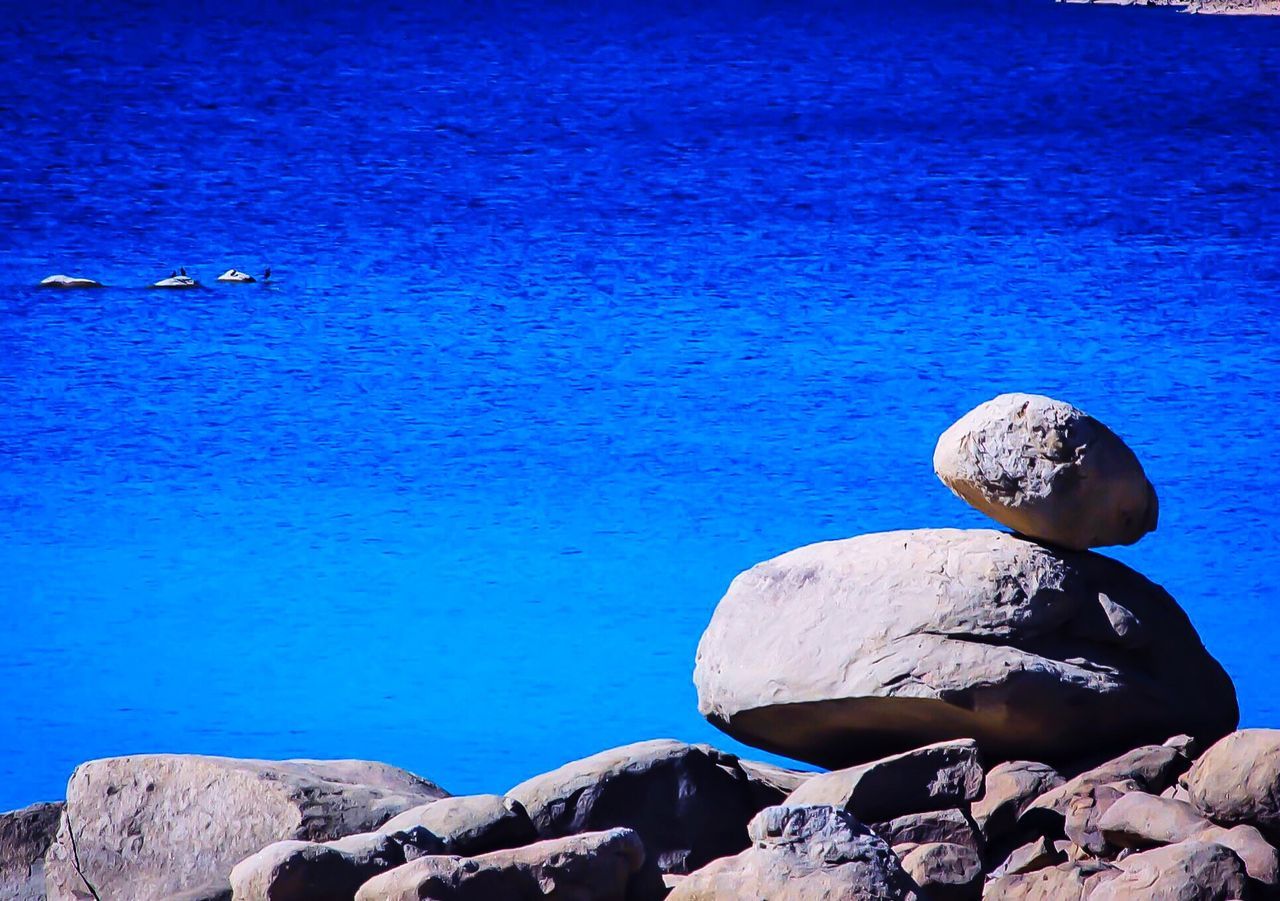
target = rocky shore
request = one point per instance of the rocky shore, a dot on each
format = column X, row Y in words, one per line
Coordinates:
column 1202, row 7
column 1001, row 715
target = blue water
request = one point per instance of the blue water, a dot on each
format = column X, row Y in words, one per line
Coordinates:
column 579, row 310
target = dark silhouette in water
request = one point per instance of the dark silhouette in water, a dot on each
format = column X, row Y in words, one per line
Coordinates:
column 183, row 270
column 266, row 275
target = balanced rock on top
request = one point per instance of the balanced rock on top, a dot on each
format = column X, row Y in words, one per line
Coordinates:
column 1048, row 471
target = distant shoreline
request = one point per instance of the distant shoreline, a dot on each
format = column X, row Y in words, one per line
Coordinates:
column 1201, row 7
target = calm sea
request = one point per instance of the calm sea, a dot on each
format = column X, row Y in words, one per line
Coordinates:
column 579, row 309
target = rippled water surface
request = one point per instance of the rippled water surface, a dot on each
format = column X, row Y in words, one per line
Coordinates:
column 577, row 311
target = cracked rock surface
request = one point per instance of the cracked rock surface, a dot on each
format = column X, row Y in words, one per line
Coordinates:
column 1049, row 471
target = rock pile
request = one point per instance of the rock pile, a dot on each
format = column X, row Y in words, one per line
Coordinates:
column 844, row 651
column 996, row 710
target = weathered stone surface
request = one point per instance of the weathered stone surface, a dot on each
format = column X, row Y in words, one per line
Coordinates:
column 155, row 826
column 1261, row 859
column 945, row 872
column 803, row 854
column 595, row 866
column 1009, row 788
column 25, row 836
column 310, row 871
column 772, row 782
column 1071, row 881
column 1086, row 810
column 934, row 777
column 1185, row 745
column 1140, row 820
column 1238, row 781
column 1049, row 471
column 949, row 826
column 846, row 651
column 1189, row 871
column 689, row 803
column 328, row 871
column 1035, row 855
column 1150, row 768
column 470, row 824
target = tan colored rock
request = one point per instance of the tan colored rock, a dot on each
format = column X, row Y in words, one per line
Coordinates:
column 155, row 826
column 772, row 782
column 469, row 824
column 1086, row 811
column 1140, row 820
column 1048, row 471
column 1188, row 871
column 1261, row 859
column 934, row 777
column 25, row 836
column 689, row 803
column 1071, row 881
column 803, row 854
column 464, row 826
column 1149, row 768
column 1238, row 781
column 850, row 650
column 1009, row 788
column 595, row 866
column 953, row 827
column 1035, row 855
column 311, row 871
column 945, row 872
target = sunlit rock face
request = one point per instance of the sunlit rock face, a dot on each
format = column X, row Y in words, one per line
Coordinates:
column 1048, row 471
column 68, row 281
column 177, row 281
column 841, row 652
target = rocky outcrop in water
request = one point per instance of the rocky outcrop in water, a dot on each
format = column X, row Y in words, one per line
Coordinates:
column 1202, row 7
column 1010, row 720
column 68, row 281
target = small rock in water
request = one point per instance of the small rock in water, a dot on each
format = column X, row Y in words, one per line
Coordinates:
column 68, row 281
column 177, row 281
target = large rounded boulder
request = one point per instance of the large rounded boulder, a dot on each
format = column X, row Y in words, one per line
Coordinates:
column 1048, row 471
column 845, row 651
column 1238, row 781
column 169, row 826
